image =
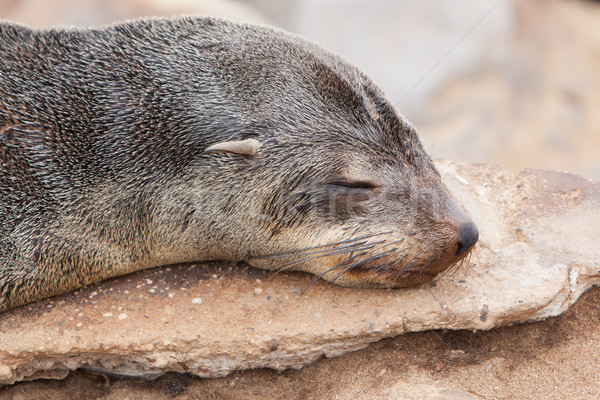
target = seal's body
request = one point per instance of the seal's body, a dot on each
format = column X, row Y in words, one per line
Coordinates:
column 162, row 141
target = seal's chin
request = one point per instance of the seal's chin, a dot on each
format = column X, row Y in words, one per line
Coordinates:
column 390, row 274
column 377, row 260
column 412, row 266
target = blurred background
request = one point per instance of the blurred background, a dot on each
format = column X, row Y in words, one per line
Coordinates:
column 510, row 82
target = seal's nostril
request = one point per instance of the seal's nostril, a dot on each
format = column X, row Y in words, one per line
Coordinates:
column 468, row 237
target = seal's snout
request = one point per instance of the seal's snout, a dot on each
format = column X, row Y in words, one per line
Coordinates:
column 468, row 237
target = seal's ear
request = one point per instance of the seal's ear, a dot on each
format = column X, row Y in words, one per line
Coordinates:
column 246, row 147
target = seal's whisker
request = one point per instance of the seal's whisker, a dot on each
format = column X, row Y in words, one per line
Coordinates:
column 361, row 262
column 425, row 265
column 337, row 266
column 391, row 243
column 459, row 265
column 300, row 252
column 331, row 253
column 295, row 253
column 404, row 269
column 347, row 249
column 407, row 267
column 451, row 269
column 347, row 268
column 386, row 267
column 456, row 266
column 285, row 253
column 375, row 273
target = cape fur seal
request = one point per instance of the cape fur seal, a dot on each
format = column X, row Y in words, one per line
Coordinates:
column 161, row 141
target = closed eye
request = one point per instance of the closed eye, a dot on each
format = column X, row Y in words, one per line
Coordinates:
column 351, row 183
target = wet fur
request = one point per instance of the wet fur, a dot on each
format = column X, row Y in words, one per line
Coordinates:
column 104, row 168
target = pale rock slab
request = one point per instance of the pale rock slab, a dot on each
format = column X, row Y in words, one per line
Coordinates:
column 538, row 252
column 421, row 391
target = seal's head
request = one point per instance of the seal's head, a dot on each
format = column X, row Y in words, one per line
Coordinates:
column 328, row 177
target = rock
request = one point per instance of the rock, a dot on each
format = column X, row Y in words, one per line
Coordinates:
column 537, row 254
column 409, row 391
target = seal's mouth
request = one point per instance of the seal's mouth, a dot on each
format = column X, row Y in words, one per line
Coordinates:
column 413, row 265
column 376, row 261
column 395, row 272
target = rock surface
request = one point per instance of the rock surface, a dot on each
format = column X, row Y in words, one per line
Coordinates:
column 537, row 254
column 410, row 391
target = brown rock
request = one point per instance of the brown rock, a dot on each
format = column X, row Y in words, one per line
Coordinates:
column 537, row 254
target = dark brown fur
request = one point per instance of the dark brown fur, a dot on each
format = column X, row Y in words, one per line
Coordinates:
column 104, row 168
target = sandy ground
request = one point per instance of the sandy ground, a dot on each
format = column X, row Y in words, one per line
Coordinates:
column 554, row 359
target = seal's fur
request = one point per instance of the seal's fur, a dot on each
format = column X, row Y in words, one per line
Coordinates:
column 104, row 167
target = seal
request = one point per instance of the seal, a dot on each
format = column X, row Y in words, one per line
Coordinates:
column 162, row 141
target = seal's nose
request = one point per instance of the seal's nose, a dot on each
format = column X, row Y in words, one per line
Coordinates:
column 468, row 237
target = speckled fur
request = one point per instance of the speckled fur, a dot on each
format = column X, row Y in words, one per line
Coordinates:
column 103, row 170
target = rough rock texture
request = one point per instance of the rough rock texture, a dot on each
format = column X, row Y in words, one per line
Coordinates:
column 409, row 391
column 537, row 253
